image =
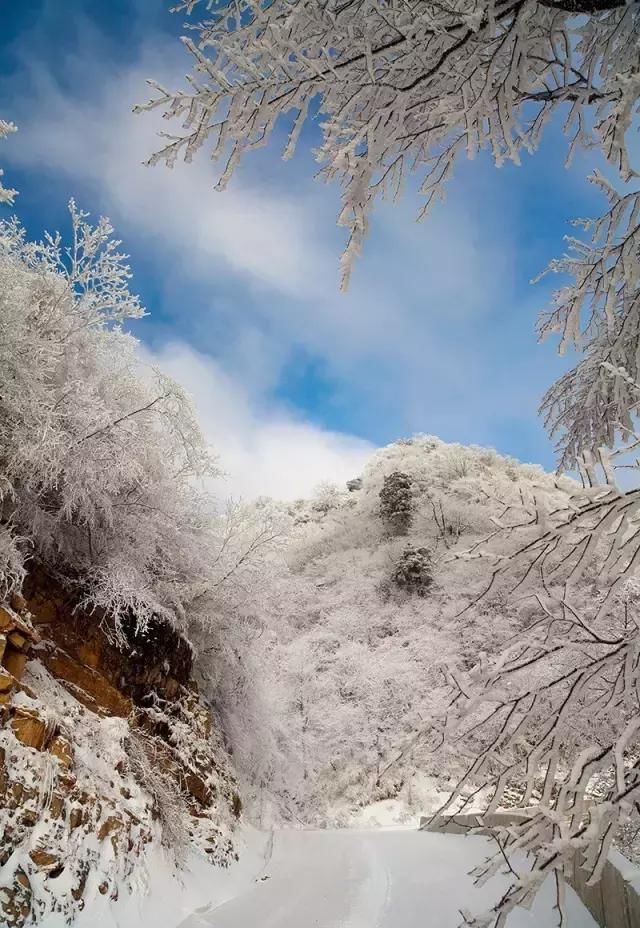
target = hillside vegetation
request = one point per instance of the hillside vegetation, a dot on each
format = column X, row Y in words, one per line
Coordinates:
column 338, row 694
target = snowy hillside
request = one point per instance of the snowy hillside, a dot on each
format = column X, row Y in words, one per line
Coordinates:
column 336, row 697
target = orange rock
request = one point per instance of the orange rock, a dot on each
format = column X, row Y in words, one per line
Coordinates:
column 23, row 688
column 171, row 687
column 198, row 788
column 10, row 622
column 89, row 655
column 61, row 748
column 15, row 662
column 43, row 859
column 55, row 806
column 6, row 682
column 6, row 619
column 110, row 826
column 89, row 687
column 15, row 794
column 28, row 817
column 75, row 817
column 29, row 728
column 78, row 890
column 18, row 602
column 3, row 646
column 15, row 902
column 43, row 607
column 17, row 640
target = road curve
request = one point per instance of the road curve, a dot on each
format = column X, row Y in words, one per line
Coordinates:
column 374, row 879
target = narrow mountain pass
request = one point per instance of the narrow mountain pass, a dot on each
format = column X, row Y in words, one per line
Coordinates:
column 375, row 879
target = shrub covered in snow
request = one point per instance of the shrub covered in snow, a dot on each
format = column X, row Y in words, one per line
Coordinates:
column 413, row 572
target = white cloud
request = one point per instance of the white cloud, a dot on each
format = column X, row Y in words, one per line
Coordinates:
column 411, row 347
column 92, row 137
column 264, row 451
column 273, row 227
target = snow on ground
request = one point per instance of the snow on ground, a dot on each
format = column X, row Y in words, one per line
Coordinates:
column 421, row 795
column 374, row 879
column 165, row 897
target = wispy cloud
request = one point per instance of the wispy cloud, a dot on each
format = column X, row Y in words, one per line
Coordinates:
column 416, row 343
column 264, row 451
column 94, row 140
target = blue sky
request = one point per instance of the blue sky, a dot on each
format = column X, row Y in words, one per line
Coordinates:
column 294, row 381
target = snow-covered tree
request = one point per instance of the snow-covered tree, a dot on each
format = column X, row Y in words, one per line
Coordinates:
column 7, row 194
column 332, row 681
column 515, row 675
column 554, row 718
column 595, row 404
column 395, row 503
column 402, row 87
column 413, row 571
column 104, row 472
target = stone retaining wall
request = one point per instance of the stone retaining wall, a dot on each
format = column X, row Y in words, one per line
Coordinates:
column 614, row 902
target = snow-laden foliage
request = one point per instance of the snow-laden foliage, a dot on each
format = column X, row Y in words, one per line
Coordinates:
column 7, row 194
column 398, row 87
column 334, row 681
column 595, row 403
column 557, row 713
column 404, row 86
column 413, row 572
column 103, row 467
column 395, row 503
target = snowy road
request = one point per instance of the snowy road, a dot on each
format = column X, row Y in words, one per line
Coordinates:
column 373, row 879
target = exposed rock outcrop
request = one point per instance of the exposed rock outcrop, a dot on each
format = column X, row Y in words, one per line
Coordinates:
column 80, row 647
column 103, row 749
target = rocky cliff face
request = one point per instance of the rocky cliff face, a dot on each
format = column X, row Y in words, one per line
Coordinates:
column 103, row 750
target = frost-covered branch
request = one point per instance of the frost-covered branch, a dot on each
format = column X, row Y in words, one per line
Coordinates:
column 7, row 194
column 556, row 714
column 401, row 87
column 596, row 402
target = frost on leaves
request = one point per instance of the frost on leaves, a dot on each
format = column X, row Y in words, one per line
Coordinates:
column 555, row 716
column 414, row 571
column 595, row 403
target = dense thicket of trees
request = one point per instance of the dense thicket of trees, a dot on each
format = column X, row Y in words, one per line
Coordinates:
column 104, row 473
column 337, row 692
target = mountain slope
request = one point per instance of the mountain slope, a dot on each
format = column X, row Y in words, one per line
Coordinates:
column 354, row 635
